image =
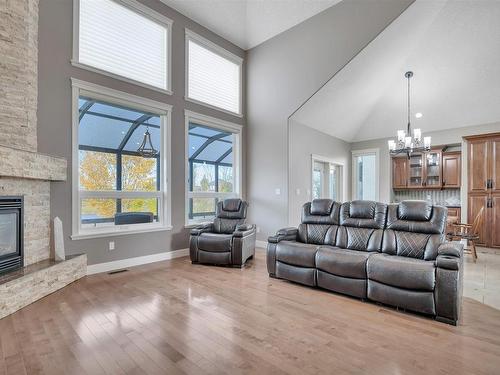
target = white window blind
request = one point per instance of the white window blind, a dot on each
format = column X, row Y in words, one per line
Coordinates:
column 212, row 78
column 118, row 40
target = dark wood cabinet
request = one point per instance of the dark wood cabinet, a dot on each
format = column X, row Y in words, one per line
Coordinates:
column 483, row 177
column 427, row 170
column 400, row 173
column 452, row 169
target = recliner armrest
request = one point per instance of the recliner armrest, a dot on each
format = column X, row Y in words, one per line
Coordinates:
column 243, row 230
column 203, row 228
column 284, row 234
column 449, row 255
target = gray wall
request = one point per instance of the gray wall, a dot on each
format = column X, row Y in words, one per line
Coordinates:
column 54, row 124
column 304, row 142
column 281, row 74
column 446, row 137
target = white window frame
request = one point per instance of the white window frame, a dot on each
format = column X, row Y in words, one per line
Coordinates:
column 215, row 123
column 81, row 88
column 369, row 151
column 141, row 10
column 190, row 35
column 342, row 179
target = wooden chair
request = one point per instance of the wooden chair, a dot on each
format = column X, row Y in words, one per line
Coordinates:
column 469, row 232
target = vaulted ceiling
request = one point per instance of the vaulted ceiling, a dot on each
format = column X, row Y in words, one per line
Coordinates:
column 453, row 48
column 248, row 23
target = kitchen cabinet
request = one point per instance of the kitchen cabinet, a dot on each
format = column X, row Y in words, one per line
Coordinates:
column 483, row 177
column 424, row 171
column 452, row 169
column 400, row 173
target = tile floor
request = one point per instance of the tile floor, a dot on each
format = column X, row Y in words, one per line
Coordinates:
column 482, row 279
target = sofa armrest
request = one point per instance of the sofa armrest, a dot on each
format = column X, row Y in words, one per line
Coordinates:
column 284, row 234
column 449, row 282
column 244, row 230
column 450, row 255
column 203, row 228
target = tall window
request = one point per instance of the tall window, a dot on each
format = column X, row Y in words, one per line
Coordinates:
column 213, row 168
column 365, row 175
column 118, row 189
column 213, row 75
column 123, row 38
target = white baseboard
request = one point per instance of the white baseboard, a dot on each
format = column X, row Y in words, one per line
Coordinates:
column 262, row 244
column 137, row 261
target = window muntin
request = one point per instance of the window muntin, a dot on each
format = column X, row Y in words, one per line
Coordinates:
column 113, row 177
column 125, row 39
column 211, row 170
column 213, row 75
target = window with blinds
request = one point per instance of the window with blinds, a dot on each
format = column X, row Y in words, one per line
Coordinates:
column 213, row 74
column 125, row 39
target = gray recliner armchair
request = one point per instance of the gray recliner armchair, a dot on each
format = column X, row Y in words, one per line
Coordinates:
column 228, row 240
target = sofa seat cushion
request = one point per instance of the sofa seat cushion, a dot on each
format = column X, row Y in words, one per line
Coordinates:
column 342, row 262
column 215, row 242
column 402, row 272
column 296, row 253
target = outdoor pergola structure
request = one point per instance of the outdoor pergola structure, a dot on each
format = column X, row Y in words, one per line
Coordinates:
column 211, row 147
column 116, row 130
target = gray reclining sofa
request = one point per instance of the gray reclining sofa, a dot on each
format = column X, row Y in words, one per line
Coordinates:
column 394, row 254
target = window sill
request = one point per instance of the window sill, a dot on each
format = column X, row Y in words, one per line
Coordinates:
column 119, row 77
column 114, row 233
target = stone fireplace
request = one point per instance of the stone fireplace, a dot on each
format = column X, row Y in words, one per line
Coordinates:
column 25, row 174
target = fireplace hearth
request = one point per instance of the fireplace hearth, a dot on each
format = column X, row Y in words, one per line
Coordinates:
column 11, row 233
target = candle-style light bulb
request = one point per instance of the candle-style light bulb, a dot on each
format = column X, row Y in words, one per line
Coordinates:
column 417, row 134
column 401, row 135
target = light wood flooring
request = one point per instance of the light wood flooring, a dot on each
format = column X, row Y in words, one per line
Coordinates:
column 173, row 317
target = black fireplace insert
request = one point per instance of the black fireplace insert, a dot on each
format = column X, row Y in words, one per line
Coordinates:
column 11, row 233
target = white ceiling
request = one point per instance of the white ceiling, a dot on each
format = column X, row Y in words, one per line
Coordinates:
column 453, row 47
column 247, row 23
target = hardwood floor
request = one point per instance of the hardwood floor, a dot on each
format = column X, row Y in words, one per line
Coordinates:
column 173, row 317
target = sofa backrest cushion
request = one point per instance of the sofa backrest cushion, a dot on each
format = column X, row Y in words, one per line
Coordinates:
column 361, row 225
column 414, row 229
column 229, row 213
column 320, row 219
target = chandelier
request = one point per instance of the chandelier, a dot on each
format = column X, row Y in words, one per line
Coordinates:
column 146, row 149
column 405, row 143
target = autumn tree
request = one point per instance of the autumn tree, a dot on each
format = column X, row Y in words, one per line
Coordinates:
column 98, row 173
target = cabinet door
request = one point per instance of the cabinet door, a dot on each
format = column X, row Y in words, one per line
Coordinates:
column 400, row 173
column 494, row 218
column 416, row 170
column 452, row 170
column 494, row 174
column 432, row 169
column 476, row 201
column 478, row 165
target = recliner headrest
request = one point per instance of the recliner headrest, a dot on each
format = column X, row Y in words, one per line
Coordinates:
column 321, row 211
column 231, row 205
column 321, row 207
column 362, row 209
column 231, row 209
column 434, row 224
column 414, row 210
column 363, row 214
